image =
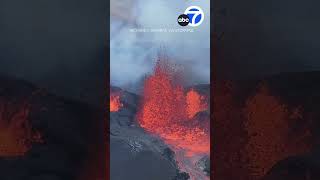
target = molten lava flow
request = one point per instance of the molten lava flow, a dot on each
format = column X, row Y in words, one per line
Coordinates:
column 166, row 111
column 16, row 134
column 194, row 103
column 115, row 103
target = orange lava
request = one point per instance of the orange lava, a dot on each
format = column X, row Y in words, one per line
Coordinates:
column 16, row 134
column 115, row 103
column 269, row 124
column 166, row 112
column 194, row 103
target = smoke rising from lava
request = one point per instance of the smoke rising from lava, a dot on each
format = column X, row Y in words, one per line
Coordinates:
column 131, row 53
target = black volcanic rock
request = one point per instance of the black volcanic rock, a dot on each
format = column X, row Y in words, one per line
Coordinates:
column 295, row 168
column 204, row 165
column 181, row 176
column 136, row 154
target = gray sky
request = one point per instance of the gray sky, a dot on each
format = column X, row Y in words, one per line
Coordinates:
column 58, row 45
column 265, row 38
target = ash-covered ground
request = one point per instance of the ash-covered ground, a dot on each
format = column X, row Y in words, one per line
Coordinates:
column 138, row 155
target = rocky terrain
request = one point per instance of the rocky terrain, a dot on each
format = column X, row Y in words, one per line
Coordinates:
column 135, row 153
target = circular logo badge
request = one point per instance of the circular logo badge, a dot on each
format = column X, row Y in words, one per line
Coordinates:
column 183, row 20
column 195, row 14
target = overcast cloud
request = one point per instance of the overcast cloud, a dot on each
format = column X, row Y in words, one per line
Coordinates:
column 133, row 54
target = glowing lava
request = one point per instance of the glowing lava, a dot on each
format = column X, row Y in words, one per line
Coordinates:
column 194, row 103
column 115, row 103
column 16, row 134
column 166, row 111
column 269, row 124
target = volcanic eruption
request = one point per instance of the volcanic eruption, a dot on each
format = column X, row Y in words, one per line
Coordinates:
column 171, row 113
column 115, row 103
column 195, row 103
column 16, row 133
column 268, row 124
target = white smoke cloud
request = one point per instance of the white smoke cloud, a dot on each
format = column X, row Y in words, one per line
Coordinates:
column 133, row 54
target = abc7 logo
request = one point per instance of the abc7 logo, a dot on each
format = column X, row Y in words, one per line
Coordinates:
column 193, row 16
column 183, row 20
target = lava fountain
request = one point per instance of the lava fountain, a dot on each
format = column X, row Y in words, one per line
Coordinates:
column 170, row 113
column 195, row 103
column 115, row 103
column 16, row 134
